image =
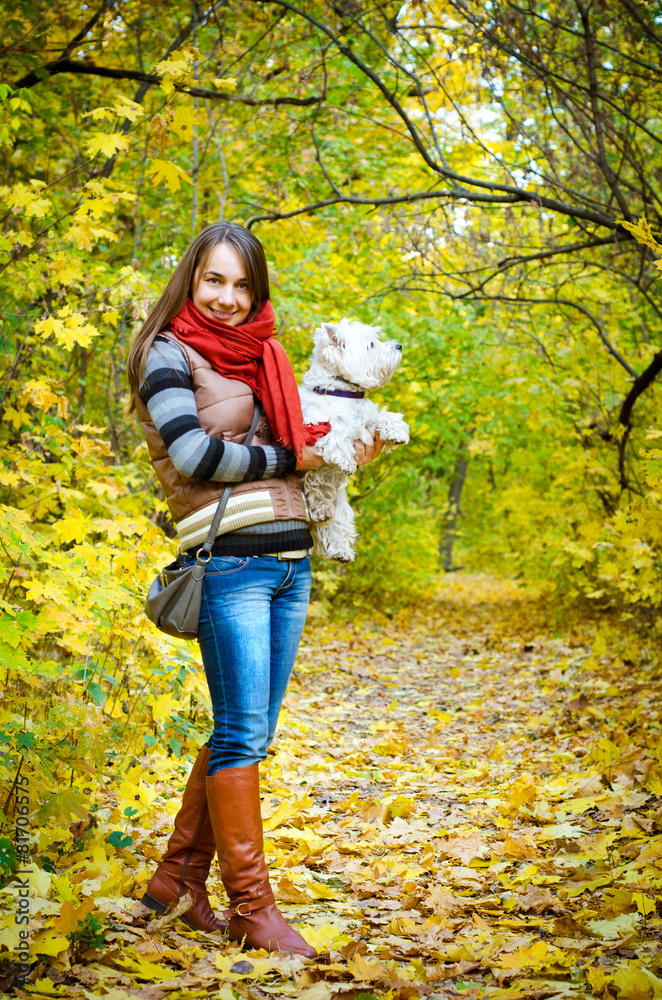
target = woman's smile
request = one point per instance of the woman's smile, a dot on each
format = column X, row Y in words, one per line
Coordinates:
column 222, row 314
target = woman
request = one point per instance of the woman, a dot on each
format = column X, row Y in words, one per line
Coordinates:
column 204, row 353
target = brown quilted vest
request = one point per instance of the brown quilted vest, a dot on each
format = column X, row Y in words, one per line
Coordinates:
column 225, row 410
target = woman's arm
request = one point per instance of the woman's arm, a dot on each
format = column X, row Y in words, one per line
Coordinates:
column 166, row 390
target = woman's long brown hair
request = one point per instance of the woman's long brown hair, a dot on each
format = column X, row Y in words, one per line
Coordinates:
column 251, row 255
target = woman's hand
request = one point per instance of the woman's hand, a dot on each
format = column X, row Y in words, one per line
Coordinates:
column 363, row 453
column 309, row 459
column 366, row 452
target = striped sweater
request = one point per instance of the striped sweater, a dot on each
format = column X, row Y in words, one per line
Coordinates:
column 166, row 389
column 167, row 392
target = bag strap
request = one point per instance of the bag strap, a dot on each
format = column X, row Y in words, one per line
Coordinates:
column 225, row 495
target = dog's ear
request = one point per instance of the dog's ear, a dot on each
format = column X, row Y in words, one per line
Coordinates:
column 331, row 333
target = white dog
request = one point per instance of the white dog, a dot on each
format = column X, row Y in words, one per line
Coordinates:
column 347, row 360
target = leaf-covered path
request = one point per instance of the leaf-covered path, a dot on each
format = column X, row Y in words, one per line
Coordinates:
column 462, row 800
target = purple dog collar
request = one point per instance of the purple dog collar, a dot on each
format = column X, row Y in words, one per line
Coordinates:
column 339, row 392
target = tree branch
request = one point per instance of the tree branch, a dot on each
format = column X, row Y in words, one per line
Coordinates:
column 457, row 194
column 507, row 262
column 346, row 199
column 152, row 79
column 640, row 385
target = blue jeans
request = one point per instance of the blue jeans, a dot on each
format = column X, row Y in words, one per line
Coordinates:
column 251, row 619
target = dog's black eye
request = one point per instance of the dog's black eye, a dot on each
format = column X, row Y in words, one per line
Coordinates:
column 373, row 344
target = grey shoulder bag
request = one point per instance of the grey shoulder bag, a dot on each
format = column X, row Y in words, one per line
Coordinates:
column 173, row 601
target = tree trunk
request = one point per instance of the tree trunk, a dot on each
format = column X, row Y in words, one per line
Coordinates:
column 450, row 518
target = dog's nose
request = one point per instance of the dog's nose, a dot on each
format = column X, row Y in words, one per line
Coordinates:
column 398, row 347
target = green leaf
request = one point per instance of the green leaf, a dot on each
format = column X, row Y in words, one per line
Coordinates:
column 99, row 696
column 12, row 658
column 119, row 839
column 66, row 805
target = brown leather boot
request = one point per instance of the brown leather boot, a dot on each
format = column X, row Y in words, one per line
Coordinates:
column 186, row 862
column 233, row 795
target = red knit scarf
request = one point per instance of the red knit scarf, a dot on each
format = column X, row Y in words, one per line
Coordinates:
column 251, row 354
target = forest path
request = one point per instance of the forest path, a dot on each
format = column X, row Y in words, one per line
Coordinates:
column 480, row 800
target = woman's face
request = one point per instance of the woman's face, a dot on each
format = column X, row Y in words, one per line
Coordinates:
column 221, row 290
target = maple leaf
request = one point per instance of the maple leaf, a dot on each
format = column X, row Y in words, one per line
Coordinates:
column 644, row 903
column 107, row 143
column 49, row 942
column 13, row 658
column 25, row 199
column 616, row 928
column 67, row 804
column 642, row 232
column 535, row 899
column 128, row 108
column 166, row 170
column 289, row 892
column 43, row 590
column 525, row 957
column 365, row 971
column 69, row 330
column 519, row 847
column 464, row 849
column 177, row 67
column 176, row 64
column 98, row 113
column 163, row 707
column 71, row 913
column 633, row 982
column 324, row 936
column 133, row 962
column 184, row 121
column 65, row 270
column 40, row 393
column 523, row 791
column 73, row 527
column 442, row 901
